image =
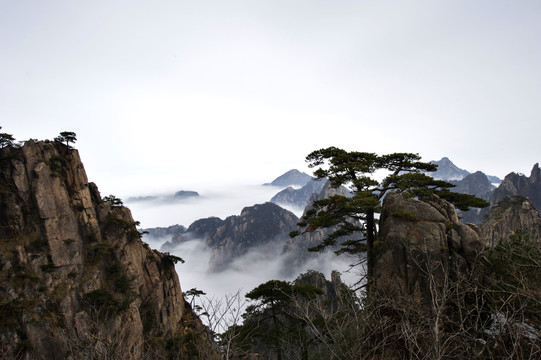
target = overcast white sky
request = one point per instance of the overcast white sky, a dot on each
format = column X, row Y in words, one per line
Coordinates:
column 175, row 93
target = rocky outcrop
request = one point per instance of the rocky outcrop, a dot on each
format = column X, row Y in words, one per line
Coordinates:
column 510, row 215
column 76, row 281
column 518, row 184
column 421, row 243
column 330, row 289
column 291, row 178
column 299, row 198
column 256, row 226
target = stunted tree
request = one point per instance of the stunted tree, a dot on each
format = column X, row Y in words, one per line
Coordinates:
column 6, row 140
column 67, row 137
column 113, row 201
column 351, row 216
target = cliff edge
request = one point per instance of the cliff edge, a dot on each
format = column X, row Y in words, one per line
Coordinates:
column 76, row 281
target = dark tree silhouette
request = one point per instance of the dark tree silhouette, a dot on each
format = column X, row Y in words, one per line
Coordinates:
column 355, row 215
column 6, row 140
column 67, row 137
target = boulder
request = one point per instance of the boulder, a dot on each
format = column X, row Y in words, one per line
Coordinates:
column 421, row 244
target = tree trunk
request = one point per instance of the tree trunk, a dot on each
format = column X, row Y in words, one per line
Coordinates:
column 370, row 237
column 277, row 332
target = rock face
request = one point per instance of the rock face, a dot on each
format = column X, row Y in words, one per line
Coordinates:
column 418, row 238
column 75, row 279
column 199, row 229
column 291, row 178
column 331, row 289
column 299, row 198
column 518, row 184
column 509, row 215
column 256, row 226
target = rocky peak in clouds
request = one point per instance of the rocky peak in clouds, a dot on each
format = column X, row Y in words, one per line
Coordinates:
column 233, row 237
column 291, row 178
column 479, row 185
column 476, row 184
column 199, row 230
column 327, row 191
column 256, row 226
column 300, row 244
column 298, row 198
column 447, row 170
column 162, row 232
column 519, row 184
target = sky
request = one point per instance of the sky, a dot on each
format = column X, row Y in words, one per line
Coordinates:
column 173, row 95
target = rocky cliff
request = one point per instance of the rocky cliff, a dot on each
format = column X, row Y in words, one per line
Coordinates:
column 518, row 184
column 509, row 215
column 421, row 243
column 76, row 282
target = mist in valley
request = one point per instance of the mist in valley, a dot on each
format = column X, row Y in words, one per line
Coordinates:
column 258, row 265
column 222, row 200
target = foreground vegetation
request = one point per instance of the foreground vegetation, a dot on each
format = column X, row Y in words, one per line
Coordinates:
column 498, row 317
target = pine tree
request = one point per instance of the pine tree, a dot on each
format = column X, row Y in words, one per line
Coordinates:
column 350, row 216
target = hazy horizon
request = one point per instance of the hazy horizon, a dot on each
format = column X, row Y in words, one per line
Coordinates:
column 176, row 93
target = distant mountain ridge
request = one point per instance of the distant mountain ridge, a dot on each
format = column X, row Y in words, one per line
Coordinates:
column 256, row 226
column 291, row 178
column 448, row 171
column 177, row 196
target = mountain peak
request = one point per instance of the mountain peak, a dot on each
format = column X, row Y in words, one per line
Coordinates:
column 292, row 177
column 447, row 170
